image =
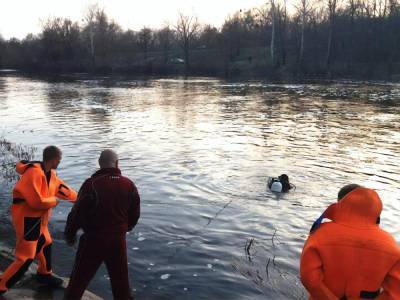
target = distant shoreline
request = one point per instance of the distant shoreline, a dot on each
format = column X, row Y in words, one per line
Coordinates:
column 276, row 78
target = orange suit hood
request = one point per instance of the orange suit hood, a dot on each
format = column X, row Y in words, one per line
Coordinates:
column 360, row 208
column 23, row 165
column 351, row 257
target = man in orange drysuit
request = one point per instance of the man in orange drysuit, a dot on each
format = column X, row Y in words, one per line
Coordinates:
column 34, row 196
column 351, row 257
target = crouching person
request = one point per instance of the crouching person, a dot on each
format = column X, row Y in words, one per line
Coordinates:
column 108, row 206
column 351, row 257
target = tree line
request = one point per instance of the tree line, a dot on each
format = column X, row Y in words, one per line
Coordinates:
column 348, row 38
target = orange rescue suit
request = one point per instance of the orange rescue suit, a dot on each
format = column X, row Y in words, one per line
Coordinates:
column 351, row 257
column 34, row 196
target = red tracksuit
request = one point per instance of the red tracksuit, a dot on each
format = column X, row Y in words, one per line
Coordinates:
column 108, row 206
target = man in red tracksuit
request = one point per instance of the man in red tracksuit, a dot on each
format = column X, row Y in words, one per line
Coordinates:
column 108, row 206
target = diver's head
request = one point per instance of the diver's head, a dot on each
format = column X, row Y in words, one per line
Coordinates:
column 284, row 178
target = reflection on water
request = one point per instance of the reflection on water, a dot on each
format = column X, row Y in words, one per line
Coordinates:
column 200, row 151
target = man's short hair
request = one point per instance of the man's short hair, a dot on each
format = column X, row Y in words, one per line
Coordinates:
column 108, row 159
column 51, row 152
column 347, row 189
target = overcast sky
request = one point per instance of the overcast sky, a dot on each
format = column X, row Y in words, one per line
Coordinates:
column 20, row 17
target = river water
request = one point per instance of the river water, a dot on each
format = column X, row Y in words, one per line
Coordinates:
column 200, row 152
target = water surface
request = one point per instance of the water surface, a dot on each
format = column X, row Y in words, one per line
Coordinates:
column 200, row 152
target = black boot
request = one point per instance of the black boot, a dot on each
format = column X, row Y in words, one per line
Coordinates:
column 49, row 280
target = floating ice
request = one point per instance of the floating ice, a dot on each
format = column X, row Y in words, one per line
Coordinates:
column 170, row 243
column 151, row 264
column 135, row 248
column 185, row 289
column 209, row 266
column 141, row 239
column 194, row 275
column 165, row 276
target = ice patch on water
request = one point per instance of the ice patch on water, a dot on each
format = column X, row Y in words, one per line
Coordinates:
column 135, row 248
column 209, row 266
column 195, row 275
column 170, row 243
column 141, row 239
column 165, row 276
column 185, row 289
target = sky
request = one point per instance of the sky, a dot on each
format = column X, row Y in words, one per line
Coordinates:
column 20, row 17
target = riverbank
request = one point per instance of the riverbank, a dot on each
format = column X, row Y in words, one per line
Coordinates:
column 234, row 73
column 28, row 288
column 251, row 64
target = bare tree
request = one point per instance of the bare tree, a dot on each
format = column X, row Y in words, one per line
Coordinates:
column 187, row 28
column 90, row 20
column 303, row 10
column 2, row 47
column 232, row 36
column 352, row 7
column 59, row 38
column 283, row 20
column 164, row 37
column 144, row 40
column 209, row 36
column 273, row 31
column 332, row 10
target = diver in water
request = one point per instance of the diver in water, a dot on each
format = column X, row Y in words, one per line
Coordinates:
column 280, row 184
